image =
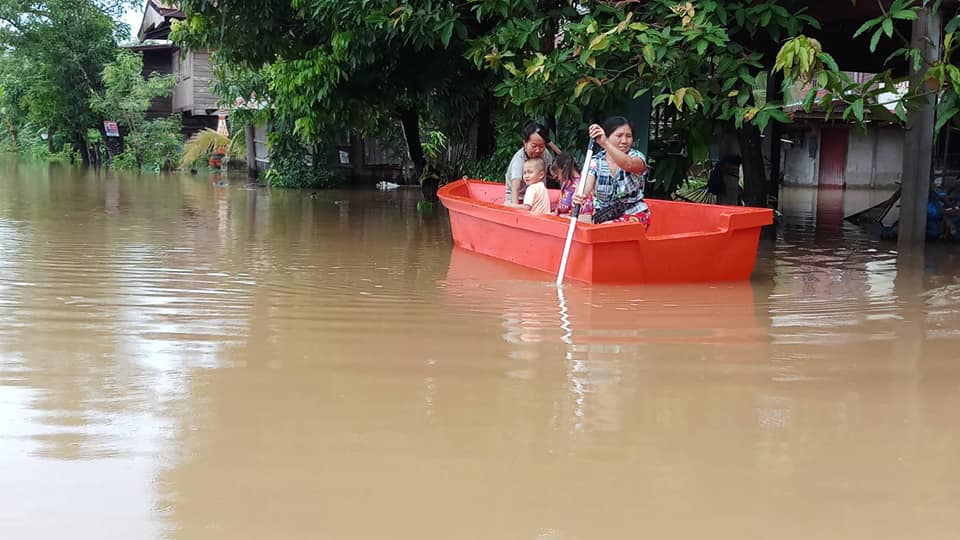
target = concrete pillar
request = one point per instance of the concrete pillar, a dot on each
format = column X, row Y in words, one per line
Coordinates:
column 918, row 145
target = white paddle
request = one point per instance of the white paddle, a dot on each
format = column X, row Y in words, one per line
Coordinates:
column 574, row 214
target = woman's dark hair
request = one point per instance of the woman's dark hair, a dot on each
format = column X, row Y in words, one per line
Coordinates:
column 535, row 127
column 614, row 122
column 564, row 165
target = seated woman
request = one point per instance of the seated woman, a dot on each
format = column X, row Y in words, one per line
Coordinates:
column 535, row 142
column 617, row 175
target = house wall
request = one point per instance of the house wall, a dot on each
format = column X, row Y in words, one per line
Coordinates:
column 260, row 135
column 194, row 76
column 889, row 157
column 183, row 91
column 861, row 151
column 801, row 161
column 874, row 157
column 203, row 98
column 158, row 61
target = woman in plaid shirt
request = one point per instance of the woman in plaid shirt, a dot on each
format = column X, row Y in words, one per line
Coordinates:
column 617, row 175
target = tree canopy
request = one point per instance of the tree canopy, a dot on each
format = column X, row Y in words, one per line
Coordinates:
column 710, row 68
column 54, row 53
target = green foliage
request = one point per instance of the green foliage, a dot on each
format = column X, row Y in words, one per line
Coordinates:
column 206, row 141
column 436, row 144
column 297, row 173
column 702, row 63
column 54, row 53
column 597, row 63
column 291, row 166
column 126, row 161
column 126, row 95
column 802, row 61
column 353, row 65
column 244, row 87
column 29, row 144
column 158, row 144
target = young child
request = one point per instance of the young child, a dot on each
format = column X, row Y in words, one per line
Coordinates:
column 565, row 171
column 535, row 199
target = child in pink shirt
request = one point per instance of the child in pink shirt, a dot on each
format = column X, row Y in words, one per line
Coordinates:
column 565, row 171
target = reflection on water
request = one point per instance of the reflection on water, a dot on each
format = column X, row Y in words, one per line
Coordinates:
column 183, row 358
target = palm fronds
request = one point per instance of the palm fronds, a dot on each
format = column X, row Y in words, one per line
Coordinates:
column 207, row 141
column 695, row 194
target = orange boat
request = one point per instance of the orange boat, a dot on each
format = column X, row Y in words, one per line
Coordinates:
column 686, row 242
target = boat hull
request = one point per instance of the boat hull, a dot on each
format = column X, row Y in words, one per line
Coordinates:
column 686, row 242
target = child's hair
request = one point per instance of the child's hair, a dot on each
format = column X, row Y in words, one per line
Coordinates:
column 564, row 167
column 539, row 163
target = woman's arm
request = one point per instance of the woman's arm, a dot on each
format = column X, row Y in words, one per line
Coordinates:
column 515, row 190
column 587, row 190
column 554, row 147
column 631, row 164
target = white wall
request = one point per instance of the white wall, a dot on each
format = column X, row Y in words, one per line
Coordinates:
column 801, row 161
column 860, row 154
column 874, row 157
column 889, row 157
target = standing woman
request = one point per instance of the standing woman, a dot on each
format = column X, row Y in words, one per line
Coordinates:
column 617, row 175
column 535, row 142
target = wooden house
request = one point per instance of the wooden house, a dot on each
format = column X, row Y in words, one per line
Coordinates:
column 192, row 96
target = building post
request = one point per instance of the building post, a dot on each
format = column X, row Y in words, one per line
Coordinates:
column 775, row 93
column 249, row 134
column 918, row 144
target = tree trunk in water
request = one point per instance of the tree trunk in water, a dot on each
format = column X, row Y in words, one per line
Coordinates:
column 50, row 132
column 13, row 135
column 80, row 141
column 754, row 176
column 357, row 161
column 486, row 140
column 410, row 121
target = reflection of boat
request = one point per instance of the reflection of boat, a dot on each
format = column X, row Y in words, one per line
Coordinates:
column 615, row 315
column 686, row 243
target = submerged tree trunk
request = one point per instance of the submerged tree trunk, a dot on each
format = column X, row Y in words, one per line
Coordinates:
column 80, row 142
column 12, row 128
column 754, row 175
column 410, row 121
column 486, row 140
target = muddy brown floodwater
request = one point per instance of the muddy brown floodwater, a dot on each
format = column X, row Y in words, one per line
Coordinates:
column 185, row 360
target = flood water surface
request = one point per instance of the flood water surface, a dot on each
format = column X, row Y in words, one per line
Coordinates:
column 188, row 360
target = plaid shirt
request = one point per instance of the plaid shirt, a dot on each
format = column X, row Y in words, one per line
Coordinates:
column 624, row 186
